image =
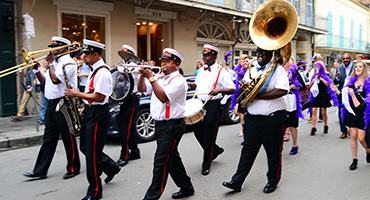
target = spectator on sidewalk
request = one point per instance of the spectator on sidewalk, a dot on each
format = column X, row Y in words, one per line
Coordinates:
column 27, row 93
column 44, row 100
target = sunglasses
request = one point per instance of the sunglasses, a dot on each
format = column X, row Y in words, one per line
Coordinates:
column 346, row 58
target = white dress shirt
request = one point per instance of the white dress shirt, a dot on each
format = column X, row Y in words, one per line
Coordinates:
column 54, row 91
column 278, row 80
column 175, row 87
column 206, row 79
column 102, row 82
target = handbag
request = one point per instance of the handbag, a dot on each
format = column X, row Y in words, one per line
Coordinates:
column 291, row 103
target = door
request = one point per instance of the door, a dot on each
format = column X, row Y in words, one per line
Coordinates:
column 8, row 93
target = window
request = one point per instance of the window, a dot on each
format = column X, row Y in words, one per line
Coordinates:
column 341, row 32
column 76, row 27
column 309, row 9
column 329, row 37
column 150, row 47
column 360, row 38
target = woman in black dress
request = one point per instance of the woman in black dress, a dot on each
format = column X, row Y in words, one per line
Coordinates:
column 358, row 88
column 320, row 96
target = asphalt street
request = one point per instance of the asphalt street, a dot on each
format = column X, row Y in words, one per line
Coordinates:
column 318, row 171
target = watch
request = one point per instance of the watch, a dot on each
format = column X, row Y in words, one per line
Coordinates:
column 151, row 79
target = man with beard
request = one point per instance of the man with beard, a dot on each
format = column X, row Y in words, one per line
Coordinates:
column 168, row 110
column 343, row 71
column 213, row 80
column 263, row 123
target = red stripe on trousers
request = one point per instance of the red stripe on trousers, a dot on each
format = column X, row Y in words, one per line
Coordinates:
column 73, row 152
column 128, row 133
column 214, row 141
column 94, row 158
column 281, row 146
column 164, row 169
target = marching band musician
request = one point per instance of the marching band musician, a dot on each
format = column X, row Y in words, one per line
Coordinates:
column 213, row 80
column 128, row 113
column 55, row 122
column 96, row 119
column 263, row 124
column 167, row 109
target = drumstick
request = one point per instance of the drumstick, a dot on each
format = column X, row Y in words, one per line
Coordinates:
column 195, row 94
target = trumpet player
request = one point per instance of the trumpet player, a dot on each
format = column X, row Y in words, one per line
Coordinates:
column 96, row 120
column 263, row 123
column 55, row 122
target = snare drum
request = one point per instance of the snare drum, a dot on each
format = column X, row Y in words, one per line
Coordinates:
column 194, row 111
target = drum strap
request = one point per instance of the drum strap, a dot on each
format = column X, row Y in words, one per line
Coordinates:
column 218, row 76
column 91, row 86
column 168, row 103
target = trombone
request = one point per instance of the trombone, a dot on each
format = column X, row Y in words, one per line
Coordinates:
column 27, row 56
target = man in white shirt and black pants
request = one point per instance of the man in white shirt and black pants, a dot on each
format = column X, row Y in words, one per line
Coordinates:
column 55, row 122
column 99, row 87
column 128, row 112
column 167, row 108
column 264, row 124
column 211, row 83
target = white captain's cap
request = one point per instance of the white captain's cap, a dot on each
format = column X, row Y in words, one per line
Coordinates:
column 129, row 48
column 58, row 41
column 89, row 45
column 172, row 54
column 209, row 49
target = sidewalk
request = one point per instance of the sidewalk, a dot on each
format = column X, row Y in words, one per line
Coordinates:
column 20, row 133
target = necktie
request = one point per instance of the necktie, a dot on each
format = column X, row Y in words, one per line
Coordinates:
column 260, row 68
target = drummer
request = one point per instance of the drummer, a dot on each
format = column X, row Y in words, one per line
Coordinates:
column 168, row 110
column 211, row 83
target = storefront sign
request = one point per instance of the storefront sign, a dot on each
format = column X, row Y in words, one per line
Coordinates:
column 302, row 47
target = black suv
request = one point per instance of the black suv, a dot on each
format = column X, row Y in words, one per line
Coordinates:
column 145, row 124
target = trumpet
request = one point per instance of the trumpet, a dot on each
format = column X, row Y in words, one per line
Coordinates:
column 28, row 56
column 134, row 68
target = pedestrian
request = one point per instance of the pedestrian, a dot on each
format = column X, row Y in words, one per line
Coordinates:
column 296, row 85
column 128, row 113
column 342, row 72
column 55, row 122
column 44, row 100
column 83, row 73
column 211, row 83
column 353, row 94
column 27, row 94
column 239, row 70
column 96, row 120
column 320, row 96
column 263, row 123
column 199, row 65
column 168, row 110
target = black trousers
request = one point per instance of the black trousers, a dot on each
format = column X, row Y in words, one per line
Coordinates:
column 267, row 131
column 167, row 159
column 92, row 144
column 206, row 132
column 128, row 113
column 55, row 123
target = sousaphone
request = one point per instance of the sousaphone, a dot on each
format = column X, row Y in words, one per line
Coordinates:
column 272, row 27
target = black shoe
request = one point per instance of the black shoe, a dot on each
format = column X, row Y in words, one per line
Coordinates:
column 34, row 175
column 110, row 177
column 220, row 151
column 69, row 175
column 233, row 185
column 92, row 198
column 122, row 162
column 368, row 157
column 134, row 156
column 181, row 194
column 205, row 172
column 353, row 166
column 269, row 188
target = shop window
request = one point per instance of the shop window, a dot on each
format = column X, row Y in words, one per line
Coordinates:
column 150, row 47
column 77, row 27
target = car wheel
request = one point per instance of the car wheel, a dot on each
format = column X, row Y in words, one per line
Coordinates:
column 145, row 126
column 230, row 116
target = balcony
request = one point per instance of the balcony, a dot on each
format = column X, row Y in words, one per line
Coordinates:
column 306, row 18
column 340, row 43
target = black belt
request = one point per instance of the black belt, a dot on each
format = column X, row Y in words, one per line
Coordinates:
column 169, row 120
column 53, row 101
column 267, row 116
column 92, row 106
